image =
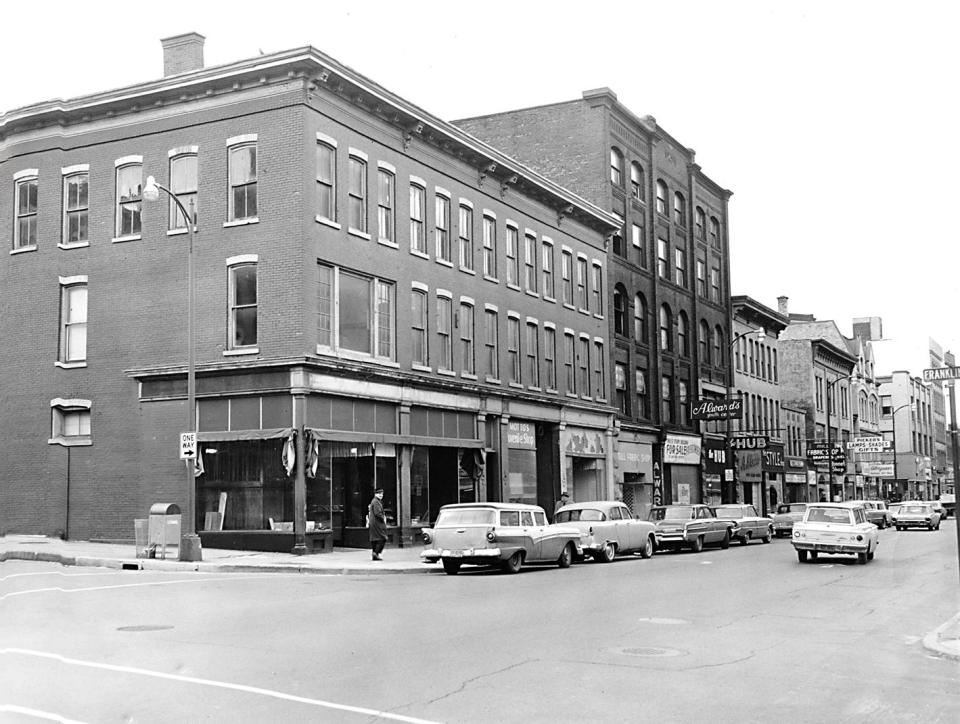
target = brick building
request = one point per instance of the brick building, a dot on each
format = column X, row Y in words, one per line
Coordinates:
column 669, row 275
column 379, row 302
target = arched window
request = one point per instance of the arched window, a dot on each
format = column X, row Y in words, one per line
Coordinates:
column 666, row 329
column 679, row 210
column 683, row 338
column 704, row 342
column 640, row 319
column 616, row 167
column 619, row 310
column 661, row 197
column 636, row 181
column 700, row 221
column 714, row 232
column 718, row 348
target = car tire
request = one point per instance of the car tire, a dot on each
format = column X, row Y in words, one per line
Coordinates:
column 566, row 556
column 870, row 555
column 697, row 544
column 862, row 558
column 450, row 567
column 607, row 553
column 646, row 551
column 899, row 527
column 883, row 524
column 769, row 536
column 514, row 563
column 937, row 527
column 814, row 555
column 930, row 526
column 802, row 556
column 743, row 539
column 725, row 543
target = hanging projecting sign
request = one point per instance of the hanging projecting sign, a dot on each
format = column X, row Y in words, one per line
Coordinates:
column 728, row 408
column 939, row 374
column 682, row 450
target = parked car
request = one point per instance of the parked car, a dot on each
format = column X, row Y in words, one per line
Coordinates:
column 916, row 514
column 745, row 524
column 836, row 528
column 504, row 534
column 949, row 503
column 608, row 528
column 938, row 507
column 787, row 514
column 877, row 512
column 693, row 526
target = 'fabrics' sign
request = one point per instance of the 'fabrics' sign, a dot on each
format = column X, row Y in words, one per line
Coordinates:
column 728, row 408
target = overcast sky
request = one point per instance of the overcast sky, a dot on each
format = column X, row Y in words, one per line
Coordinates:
column 833, row 123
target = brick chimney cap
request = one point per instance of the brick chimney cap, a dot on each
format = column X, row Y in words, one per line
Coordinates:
column 182, row 38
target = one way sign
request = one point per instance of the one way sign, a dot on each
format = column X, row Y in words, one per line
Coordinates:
column 188, row 445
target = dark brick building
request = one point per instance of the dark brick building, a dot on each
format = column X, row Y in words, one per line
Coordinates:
column 669, row 274
column 376, row 291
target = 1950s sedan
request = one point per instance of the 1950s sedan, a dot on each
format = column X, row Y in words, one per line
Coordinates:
column 787, row 514
column 693, row 526
column 746, row 524
column 608, row 528
column 504, row 534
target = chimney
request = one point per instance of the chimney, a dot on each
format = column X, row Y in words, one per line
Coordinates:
column 782, row 306
column 182, row 53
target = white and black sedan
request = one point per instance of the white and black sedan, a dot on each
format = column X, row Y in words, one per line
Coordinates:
column 607, row 529
column 745, row 523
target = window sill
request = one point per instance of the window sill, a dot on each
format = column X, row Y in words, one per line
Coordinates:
column 328, row 222
column 70, row 365
column 239, row 352
column 241, row 222
column 467, row 270
column 569, row 306
column 514, row 287
column 573, row 396
column 491, row 279
column 74, row 245
column 516, row 385
column 421, row 254
column 549, row 299
column 444, row 262
column 356, row 357
column 532, row 294
column 598, row 316
column 79, row 441
column 421, row 368
column 122, row 239
column 22, row 249
column 552, row 391
column 493, row 381
column 468, row 376
column 532, row 388
column 181, row 231
column 388, row 242
column 447, row 373
column 361, row 234
column 583, row 311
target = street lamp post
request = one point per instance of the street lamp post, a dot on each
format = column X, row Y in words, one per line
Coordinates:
column 829, row 444
column 190, row 549
column 893, row 420
column 761, row 335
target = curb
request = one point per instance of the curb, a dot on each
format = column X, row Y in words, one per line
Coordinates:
column 141, row 564
column 932, row 641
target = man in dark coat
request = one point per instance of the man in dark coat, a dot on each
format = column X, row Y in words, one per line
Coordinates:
column 377, row 524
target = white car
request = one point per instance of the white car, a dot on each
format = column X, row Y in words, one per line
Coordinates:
column 607, row 529
column 835, row 528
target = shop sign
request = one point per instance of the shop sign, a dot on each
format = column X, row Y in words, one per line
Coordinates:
column 773, row 458
column 868, row 444
column 823, row 457
column 795, row 478
column 521, row 435
column 877, row 470
column 793, row 463
column 749, row 442
column 728, row 408
column 750, row 466
column 682, row 450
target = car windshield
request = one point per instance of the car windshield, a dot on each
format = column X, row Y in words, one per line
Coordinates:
column 591, row 514
column 680, row 512
column 792, row 508
column 829, row 515
column 466, row 516
column 917, row 509
column 728, row 512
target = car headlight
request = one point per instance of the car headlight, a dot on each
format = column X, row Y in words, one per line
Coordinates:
column 491, row 535
column 426, row 537
column 796, row 534
column 859, row 538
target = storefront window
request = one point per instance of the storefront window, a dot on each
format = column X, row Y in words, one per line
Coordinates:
column 522, row 480
column 251, row 473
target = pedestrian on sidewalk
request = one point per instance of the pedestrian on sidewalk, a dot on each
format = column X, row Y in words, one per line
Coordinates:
column 377, row 524
column 565, row 499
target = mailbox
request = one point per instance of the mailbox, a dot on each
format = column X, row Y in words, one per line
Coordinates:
column 163, row 528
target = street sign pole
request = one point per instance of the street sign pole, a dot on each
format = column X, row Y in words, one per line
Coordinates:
column 956, row 459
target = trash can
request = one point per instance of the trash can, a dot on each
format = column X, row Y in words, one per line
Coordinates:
column 141, row 538
column 163, row 528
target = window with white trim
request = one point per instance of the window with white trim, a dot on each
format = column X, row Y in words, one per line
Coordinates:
column 355, row 313
column 637, row 237
column 640, row 321
column 566, row 275
column 183, row 183
column 442, row 208
column 596, row 290
column 70, row 422
column 25, row 198
column 513, row 255
column 386, row 183
column 661, row 197
column 73, row 321
column 569, row 362
column 533, row 354
column 679, row 210
column 326, row 181
column 76, row 207
column 418, row 200
column 714, row 284
column 546, row 268
column 129, row 199
column 599, row 383
column 701, row 278
column 357, row 194
column 714, row 232
column 445, row 331
column 465, row 323
column 620, row 387
column 243, row 182
column 616, row 167
column 513, row 348
column 466, row 237
column 583, row 302
column 491, row 341
column 636, row 181
column 530, row 261
column 550, row 356
column 583, row 364
column 419, row 310
column 662, row 259
column 489, row 246
column 680, row 267
column 243, row 306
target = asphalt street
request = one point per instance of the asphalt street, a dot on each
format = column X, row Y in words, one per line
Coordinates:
column 746, row 633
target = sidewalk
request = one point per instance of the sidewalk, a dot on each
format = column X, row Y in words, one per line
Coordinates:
column 341, row 561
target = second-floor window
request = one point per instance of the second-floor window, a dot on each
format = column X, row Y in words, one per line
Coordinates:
column 550, row 356
column 569, row 362
column 533, row 354
column 243, row 182
column 583, row 365
column 467, row 364
column 355, row 313
column 25, row 230
column 704, row 341
column 491, row 337
column 445, row 332
column 76, row 207
column 620, row 388
column 129, row 190
column 73, row 322
column 643, row 405
column 513, row 348
column 666, row 329
column 419, row 327
column 680, row 264
column 243, row 306
column 183, row 183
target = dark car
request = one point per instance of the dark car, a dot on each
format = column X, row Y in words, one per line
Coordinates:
column 745, row 524
column 690, row 526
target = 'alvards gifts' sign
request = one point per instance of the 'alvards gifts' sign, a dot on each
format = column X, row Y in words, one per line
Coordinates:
column 728, row 408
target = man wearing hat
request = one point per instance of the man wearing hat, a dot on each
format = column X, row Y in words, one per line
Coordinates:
column 565, row 499
column 377, row 524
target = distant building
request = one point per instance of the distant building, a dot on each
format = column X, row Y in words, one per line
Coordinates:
column 907, row 422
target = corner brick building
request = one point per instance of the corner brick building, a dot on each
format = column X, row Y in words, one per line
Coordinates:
column 669, row 280
column 379, row 302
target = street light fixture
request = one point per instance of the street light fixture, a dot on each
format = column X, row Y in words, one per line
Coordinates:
column 853, row 376
column 760, row 336
column 190, row 549
column 893, row 422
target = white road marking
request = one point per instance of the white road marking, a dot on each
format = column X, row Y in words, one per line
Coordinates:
column 218, row 684
column 55, row 573
column 667, row 621
column 121, row 585
column 37, row 714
